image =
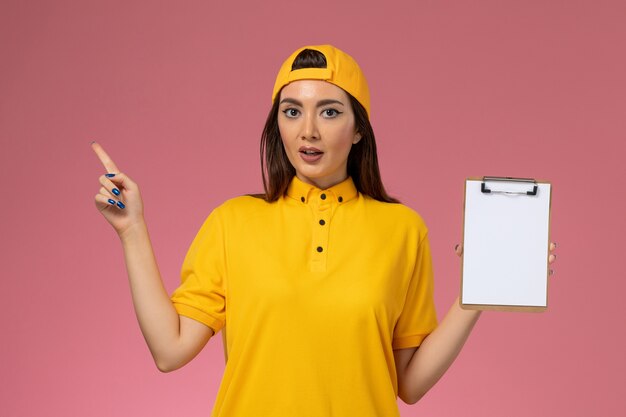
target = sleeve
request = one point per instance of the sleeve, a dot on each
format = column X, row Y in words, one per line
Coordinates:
column 418, row 317
column 201, row 294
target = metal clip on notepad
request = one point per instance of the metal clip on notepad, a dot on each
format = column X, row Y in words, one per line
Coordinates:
column 532, row 181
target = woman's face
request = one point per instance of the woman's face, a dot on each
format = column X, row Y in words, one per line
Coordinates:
column 316, row 124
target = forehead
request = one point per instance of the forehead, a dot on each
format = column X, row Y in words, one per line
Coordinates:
column 313, row 90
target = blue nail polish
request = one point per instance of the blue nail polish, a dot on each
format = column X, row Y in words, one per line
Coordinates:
column 116, row 191
column 120, row 204
column 109, row 175
column 111, row 201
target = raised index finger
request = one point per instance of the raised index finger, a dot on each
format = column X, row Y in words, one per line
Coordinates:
column 106, row 160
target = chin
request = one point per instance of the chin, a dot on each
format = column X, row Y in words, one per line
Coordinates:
column 312, row 174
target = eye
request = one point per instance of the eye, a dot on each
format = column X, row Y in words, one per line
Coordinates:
column 291, row 112
column 330, row 113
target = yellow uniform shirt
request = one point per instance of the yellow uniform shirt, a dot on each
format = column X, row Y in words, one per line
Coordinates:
column 317, row 289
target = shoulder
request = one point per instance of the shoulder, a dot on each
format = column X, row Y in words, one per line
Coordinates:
column 243, row 203
column 396, row 212
column 240, row 208
column 232, row 213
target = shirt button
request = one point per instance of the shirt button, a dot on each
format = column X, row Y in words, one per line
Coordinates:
column 319, row 249
column 340, row 199
column 302, row 199
column 322, row 222
column 323, row 196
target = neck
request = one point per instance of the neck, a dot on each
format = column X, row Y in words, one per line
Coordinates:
column 322, row 183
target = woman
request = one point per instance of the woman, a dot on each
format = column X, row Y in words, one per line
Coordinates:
column 325, row 281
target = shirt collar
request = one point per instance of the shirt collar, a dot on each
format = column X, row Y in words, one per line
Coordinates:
column 340, row 193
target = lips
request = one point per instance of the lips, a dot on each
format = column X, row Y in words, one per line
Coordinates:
column 310, row 154
column 309, row 150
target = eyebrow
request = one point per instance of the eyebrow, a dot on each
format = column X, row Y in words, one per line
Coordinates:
column 319, row 103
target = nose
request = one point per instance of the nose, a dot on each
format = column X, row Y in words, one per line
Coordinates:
column 309, row 127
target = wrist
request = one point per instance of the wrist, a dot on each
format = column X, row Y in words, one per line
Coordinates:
column 469, row 315
column 133, row 232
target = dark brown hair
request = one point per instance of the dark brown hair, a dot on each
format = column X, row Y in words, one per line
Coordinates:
column 276, row 169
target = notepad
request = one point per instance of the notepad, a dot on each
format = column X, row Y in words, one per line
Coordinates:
column 506, row 244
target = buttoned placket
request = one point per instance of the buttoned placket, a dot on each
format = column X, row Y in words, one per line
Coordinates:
column 323, row 204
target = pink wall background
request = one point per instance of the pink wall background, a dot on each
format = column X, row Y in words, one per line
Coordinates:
column 177, row 92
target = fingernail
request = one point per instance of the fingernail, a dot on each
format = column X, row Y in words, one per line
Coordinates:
column 120, row 204
column 116, row 191
column 109, row 175
column 111, row 201
column 92, row 142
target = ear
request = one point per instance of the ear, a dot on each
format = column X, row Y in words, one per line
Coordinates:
column 357, row 138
